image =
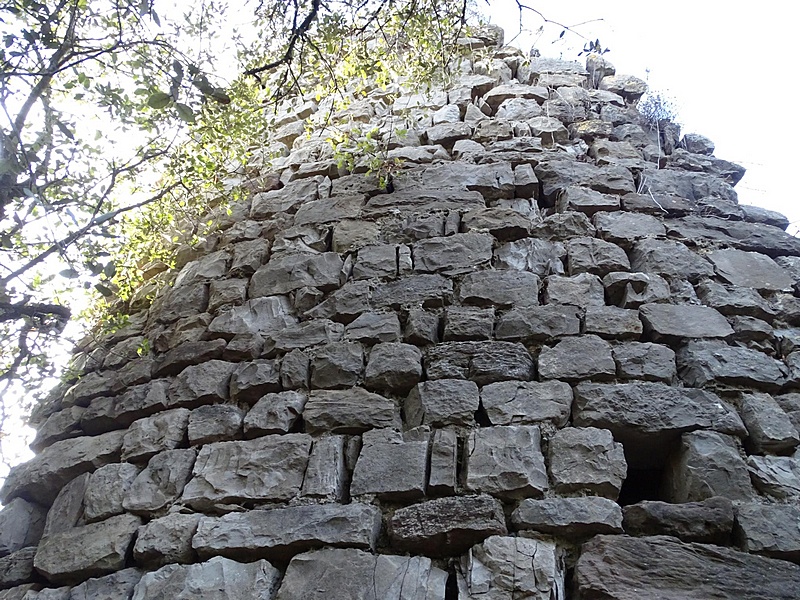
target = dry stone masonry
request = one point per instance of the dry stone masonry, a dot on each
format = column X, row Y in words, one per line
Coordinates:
column 552, row 359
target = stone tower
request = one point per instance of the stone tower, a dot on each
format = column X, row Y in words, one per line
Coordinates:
column 552, row 359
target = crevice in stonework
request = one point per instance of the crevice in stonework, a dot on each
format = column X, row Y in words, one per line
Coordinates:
column 641, row 484
column 451, row 587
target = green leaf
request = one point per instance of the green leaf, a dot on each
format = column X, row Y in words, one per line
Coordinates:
column 103, row 290
column 159, row 100
column 220, row 96
column 65, row 130
column 185, row 112
column 110, row 269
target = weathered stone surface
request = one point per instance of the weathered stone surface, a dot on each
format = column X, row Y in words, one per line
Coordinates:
column 576, row 358
column 631, row 290
column 201, row 384
column 671, row 321
column 768, row 426
column 214, row 423
column 166, row 540
column 511, row 567
column 391, row 467
column 40, row 478
column 349, row 411
column 527, row 403
column 251, row 380
column 376, row 261
column 106, row 490
column 373, row 328
column 538, row 324
column 706, row 362
column 107, row 412
column 493, row 180
column 591, row 255
column 610, row 322
column 582, row 290
column 394, row 367
column 563, row 226
column 280, row 533
column 423, row 201
column 183, row 301
column 161, row 482
column 588, row 202
column 626, row 568
column 270, row 468
column 189, row 353
column 706, row 464
column 326, row 475
column 559, row 174
column 337, row 365
column 446, row 526
column 216, row 579
column 59, row 426
column 647, row 415
column 149, row 436
column 274, row 413
column 731, row 300
column 771, row 530
column 749, row 269
column 103, row 547
column 111, row 587
column 505, row 461
column 668, row 258
column 706, row 522
column 326, row 210
column 753, row 237
column 422, row 327
column 259, row 315
column 67, row 509
column 776, row 476
column 352, row 573
column 625, row 228
column 442, row 402
column 539, row 256
column 500, row 288
column 586, row 460
column 481, row 362
column 569, row 516
column 459, row 253
column 425, row 290
column 289, row 272
column 21, row 525
column 17, row 567
column 463, row 323
column 443, row 462
column 651, row 362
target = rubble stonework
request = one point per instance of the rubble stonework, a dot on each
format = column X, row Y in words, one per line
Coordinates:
column 553, row 358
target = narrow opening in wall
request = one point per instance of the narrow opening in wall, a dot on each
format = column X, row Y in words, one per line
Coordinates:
column 451, row 587
column 641, row 484
column 481, row 418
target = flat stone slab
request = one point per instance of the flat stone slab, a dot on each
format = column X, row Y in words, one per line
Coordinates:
column 709, row 521
column 704, row 362
column 215, row 579
column 527, row 402
column 392, row 469
column 576, row 358
column 625, row 568
column 671, row 321
column 352, row 573
column 103, row 548
column 750, row 270
column 270, row 468
column 442, row 402
column 500, row 288
column 769, row 529
column 446, row 526
column 283, row 532
column 481, row 362
column 569, row 516
column 349, row 411
column 586, row 460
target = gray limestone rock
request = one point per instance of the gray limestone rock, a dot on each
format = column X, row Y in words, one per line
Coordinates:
column 706, row 522
column 270, row 468
column 511, row 567
column 591, row 255
column 161, row 482
column 672, row 321
column 373, row 328
column 463, row 323
column 337, row 365
column 527, row 402
column 442, row 402
column 326, row 474
column 189, row 353
column 631, row 290
column 59, row 426
column 500, row 288
column 648, row 361
column 352, row 573
column 505, row 461
column 214, row 423
column 40, row 478
column 259, row 315
column 732, row 300
column 669, row 258
column 492, row 180
column 107, row 488
column 586, row 460
column 539, row 256
column 303, row 335
column 17, row 567
column 580, row 517
column 771, row 530
column 559, row 174
column 538, row 323
column 166, row 540
column 251, row 380
column 577, row 358
column 628, row 568
column 67, row 509
column 710, row 362
column 768, row 426
column 610, row 322
column 446, row 526
column 459, row 253
column 201, row 384
column 625, row 228
column 103, row 548
column 107, row 412
column 274, row 413
column 481, row 362
column 647, row 416
column 216, row 579
column 111, row 587
column 443, row 462
column 394, row 367
column 707, row 464
column 564, row 226
column 376, row 261
column 582, row 290
column 750, row 270
column 289, row 272
column 295, row 370
column 149, row 436
column 278, row 534
column 21, row 525
column 422, row 327
column 425, row 290
column 776, row 476
column 587, row 201
column 349, row 411
column 392, row 469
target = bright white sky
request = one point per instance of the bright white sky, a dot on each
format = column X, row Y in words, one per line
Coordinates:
column 728, row 66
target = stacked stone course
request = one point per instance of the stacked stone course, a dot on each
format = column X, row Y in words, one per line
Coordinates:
column 554, row 358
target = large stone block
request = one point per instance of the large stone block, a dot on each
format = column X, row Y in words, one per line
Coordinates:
column 776, row 476
column 166, row 540
column 769, row 529
column 576, row 358
column 161, row 482
column 768, row 426
column 674, row 321
column 539, row 256
column 251, row 380
column 505, row 461
column 201, row 384
column 481, row 362
column 215, row 579
column 326, row 474
column 17, row 567
column 67, row 509
column 459, row 253
column 568, row 517
column 591, row 255
column 446, row 526
column 349, row 411
column 214, row 423
column 149, row 436
column 21, row 525
column 288, row 272
column 257, row 316
column 106, row 490
column 110, row 587
column 103, row 548
column 394, row 367
column 390, row 467
column 706, row 362
column 750, row 270
column 337, row 365
column 527, row 403
column 708, row 522
column 283, row 532
column 114, row 412
column 626, row 568
column 651, row 362
column 442, row 402
column 500, row 288
column 352, row 573
column 583, row 290
column 275, row 413
column 586, row 460
column 668, row 258
column 539, row 323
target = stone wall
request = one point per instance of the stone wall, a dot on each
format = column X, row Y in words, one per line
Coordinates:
column 553, row 359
